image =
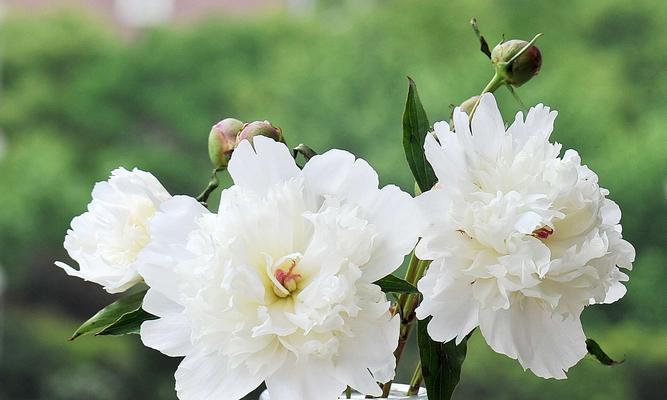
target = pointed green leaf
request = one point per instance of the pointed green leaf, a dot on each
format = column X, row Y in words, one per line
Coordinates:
column 128, row 323
column 441, row 363
column 394, row 284
column 415, row 128
column 596, row 351
column 121, row 311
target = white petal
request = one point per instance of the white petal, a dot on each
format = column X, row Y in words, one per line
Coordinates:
column 160, row 305
column 461, row 122
column 268, row 163
column 450, row 302
column 107, row 239
column 170, row 334
column 442, row 155
column 391, row 211
column 615, row 292
column 170, row 228
column 339, row 173
column 310, row 378
column 545, row 343
column 209, row 377
column 368, row 357
column 177, row 218
column 539, row 123
column 326, row 173
column 487, row 126
column 98, row 272
column 528, row 222
column 398, row 222
column 611, row 212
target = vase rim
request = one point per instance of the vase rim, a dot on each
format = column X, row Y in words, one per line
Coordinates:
column 398, row 392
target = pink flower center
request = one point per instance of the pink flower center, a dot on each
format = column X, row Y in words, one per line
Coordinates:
column 288, row 279
column 543, row 232
column 284, row 276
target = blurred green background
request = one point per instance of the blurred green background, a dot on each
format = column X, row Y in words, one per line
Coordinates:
column 79, row 98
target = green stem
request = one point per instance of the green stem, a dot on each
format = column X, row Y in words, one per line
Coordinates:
column 493, row 85
column 410, row 276
column 348, row 393
column 213, row 184
column 407, row 304
column 416, row 380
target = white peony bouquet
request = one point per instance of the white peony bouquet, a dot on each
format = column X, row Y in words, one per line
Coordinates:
column 289, row 282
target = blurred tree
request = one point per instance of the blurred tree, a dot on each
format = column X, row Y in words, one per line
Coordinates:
column 77, row 102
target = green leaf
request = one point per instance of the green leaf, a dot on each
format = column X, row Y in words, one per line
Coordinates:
column 441, row 363
column 596, row 351
column 128, row 323
column 124, row 315
column 415, row 128
column 394, row 284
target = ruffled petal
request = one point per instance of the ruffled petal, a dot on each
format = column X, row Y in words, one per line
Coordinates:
column 449, row 301
column 541, row 341
column 539, row 123
column 391, row 211
column 368, row 356
column 107, row 239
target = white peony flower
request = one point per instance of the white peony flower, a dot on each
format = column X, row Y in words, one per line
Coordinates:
column 106, row 240
column 277, row 286
column 521, row 239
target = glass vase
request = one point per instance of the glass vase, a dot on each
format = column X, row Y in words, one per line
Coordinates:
column 398, row 391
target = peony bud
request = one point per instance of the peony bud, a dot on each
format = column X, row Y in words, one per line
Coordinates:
column 519, row 70
column 222, row 141
column 468, row 105
column 260, row 128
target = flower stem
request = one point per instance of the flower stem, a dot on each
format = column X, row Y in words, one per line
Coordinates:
column 410, row 277
column 213, row 184
column 416, row 380
column 407, row 304
column 493, row 85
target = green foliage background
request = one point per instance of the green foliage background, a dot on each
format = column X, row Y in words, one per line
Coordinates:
column 77, row 101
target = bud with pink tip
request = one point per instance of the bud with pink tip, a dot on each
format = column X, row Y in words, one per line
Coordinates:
column 260, row 128
column 222, row 141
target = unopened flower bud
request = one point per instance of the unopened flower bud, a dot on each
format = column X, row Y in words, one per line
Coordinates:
column 468, row 105
column 222, row 141
column 260, row 128
column 520, row 70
